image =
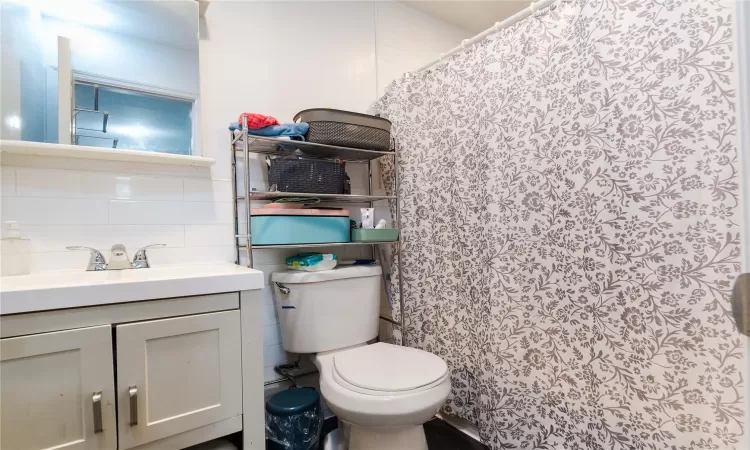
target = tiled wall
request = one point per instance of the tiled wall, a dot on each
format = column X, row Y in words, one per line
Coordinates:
column 98, row 204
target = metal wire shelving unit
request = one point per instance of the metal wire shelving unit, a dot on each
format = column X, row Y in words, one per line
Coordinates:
column 280, row 148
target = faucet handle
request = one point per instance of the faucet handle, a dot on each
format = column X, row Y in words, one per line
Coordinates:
column 140, row 259
column 96, row 259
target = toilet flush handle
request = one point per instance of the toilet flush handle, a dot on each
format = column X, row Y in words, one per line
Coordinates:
column 283, row 289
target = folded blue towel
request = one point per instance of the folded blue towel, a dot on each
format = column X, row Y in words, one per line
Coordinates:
column 292, row 130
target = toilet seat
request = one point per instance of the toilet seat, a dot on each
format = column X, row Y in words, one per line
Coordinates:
column 384, row 406
column 388, row 370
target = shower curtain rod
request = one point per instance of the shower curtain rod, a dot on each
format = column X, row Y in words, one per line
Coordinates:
column 526, row 12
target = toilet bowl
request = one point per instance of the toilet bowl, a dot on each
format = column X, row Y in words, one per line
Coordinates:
column 381, row 393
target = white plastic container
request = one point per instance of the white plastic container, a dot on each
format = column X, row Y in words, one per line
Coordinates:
column 327, row 310
column 15, row 252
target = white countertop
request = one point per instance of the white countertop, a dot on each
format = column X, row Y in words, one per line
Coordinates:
column 73, row 289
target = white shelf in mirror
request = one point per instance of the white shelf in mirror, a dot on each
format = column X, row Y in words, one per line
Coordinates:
column 99, row 153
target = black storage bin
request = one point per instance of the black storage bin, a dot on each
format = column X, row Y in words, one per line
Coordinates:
column 312, row 176
column 346, row 129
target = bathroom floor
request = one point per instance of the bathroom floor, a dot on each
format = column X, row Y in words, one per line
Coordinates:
column 440, row 436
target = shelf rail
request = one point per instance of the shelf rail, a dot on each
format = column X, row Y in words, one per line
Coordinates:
column 280, row 148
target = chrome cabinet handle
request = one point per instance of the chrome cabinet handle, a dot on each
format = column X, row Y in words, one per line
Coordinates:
column 97, row 401
column 133, row 392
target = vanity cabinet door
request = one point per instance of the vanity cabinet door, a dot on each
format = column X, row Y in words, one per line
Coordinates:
column 176, row 375
column 57, row 391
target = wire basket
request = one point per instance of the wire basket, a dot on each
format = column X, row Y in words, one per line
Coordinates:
column 346, row 129
column 349, row 135
column 311, row 176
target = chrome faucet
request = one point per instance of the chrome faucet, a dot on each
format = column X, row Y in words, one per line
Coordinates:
column 118, row 258
column 140, row 260
column 96, row 260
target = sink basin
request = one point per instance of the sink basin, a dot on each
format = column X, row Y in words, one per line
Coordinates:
column 71, row 289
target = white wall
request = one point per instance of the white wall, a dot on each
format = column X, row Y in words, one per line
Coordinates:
column 325, row 54
column 408, row 39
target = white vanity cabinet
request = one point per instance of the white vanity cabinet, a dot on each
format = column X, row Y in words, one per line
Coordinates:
column 177, row 374
column 144, row 375
column 57, row 391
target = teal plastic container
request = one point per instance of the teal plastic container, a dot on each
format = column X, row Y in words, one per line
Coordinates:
column 293, row 229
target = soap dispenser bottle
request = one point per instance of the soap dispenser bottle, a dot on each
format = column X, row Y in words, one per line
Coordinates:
column 15, row 252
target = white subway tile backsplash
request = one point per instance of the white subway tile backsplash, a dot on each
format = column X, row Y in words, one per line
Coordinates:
column 269, row 315
column 190, row 255
column 201, row 190
column 33, row 182
column 269, row 269
column 271, row 335
column 47, row 238
column 142, row 212
column 209, row 235
column 266, row 295
column 75, row 260
column 54, row 211
column 146, row 212
column 270, row 375
column 148, row 188
column 274, row 355
column 7, row 181
column 67, row 260
column 202, row 213
column 60, row 206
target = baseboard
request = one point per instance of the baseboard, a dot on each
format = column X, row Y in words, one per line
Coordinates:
column 462, row 425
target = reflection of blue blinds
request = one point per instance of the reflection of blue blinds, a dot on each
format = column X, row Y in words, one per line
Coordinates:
column 138, row 121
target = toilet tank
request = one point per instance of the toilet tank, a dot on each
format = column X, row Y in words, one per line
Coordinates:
column 327, row 310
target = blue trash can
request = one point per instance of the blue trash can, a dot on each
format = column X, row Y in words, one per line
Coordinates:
column 294, row 419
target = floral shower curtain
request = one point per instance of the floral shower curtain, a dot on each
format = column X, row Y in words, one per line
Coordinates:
column 570, row 226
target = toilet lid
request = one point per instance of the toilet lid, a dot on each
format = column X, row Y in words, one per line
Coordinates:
column 386, row 367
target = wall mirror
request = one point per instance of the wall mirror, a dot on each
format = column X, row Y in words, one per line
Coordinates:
column 101, row 74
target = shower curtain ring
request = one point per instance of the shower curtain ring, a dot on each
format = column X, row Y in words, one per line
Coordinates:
column 463, row 43
column 532, row 7
column 497, row 26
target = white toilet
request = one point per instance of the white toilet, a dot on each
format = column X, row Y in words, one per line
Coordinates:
column 382, row 393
